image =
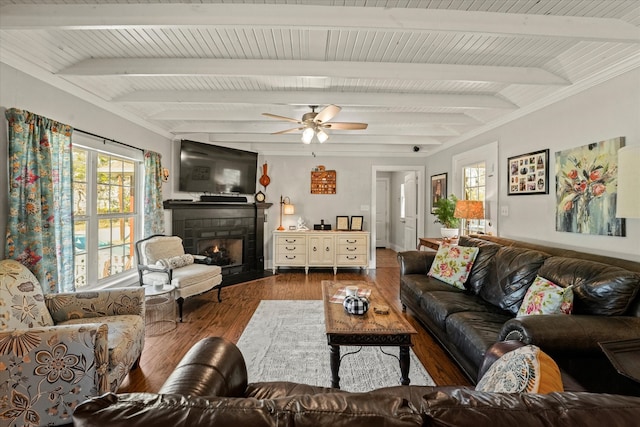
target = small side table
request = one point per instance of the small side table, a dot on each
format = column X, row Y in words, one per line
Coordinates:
column 160, row 308
column 429, row 242
column 624, row 355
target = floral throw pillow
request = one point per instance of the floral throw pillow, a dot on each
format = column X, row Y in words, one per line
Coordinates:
column 452, row 264
column 545, row 297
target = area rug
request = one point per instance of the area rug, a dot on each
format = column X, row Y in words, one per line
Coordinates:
column 286, row 341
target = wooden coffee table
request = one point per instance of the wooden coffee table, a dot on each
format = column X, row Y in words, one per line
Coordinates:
column 370, row 329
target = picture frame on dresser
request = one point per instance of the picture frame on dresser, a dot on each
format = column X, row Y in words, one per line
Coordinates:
column 342, row 223
column 356, row 223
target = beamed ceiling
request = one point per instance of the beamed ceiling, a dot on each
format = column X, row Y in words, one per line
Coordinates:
column 426, row 73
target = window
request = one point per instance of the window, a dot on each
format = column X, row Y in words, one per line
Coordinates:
column 474, row 183
column 105, row 215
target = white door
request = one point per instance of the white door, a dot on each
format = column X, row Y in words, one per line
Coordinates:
column 410, row 212
column 382, row 213
column 489, row 155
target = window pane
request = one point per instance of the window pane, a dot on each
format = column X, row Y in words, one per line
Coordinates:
column 115, row 176
column 79, row 198
column 103, row 169
column 80, row 236
column 103, row 199
column 104, row 263
column 81, row 271
column 79, row 158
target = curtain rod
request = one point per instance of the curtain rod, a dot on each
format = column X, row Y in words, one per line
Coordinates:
column 107, row 139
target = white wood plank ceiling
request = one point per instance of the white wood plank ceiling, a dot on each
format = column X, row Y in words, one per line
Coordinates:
column 427, row 73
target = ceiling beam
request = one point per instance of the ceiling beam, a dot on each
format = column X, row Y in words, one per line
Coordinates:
column 352, row 138
column 340, row 69
column 127, row 16
column 352, row 115
column 318, row 98
column 275, row 126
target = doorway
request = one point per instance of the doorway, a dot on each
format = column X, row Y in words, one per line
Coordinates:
column 378, row 171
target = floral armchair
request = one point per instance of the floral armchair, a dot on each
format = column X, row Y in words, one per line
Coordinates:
column 58, row 350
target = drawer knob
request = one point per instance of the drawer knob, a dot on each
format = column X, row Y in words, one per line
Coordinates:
column 290, row 249
column 352, row 258
column 351, row 241
column 352, row 249
column 290, row 257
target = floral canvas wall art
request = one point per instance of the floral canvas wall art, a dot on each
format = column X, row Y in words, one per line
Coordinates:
column 586, row 184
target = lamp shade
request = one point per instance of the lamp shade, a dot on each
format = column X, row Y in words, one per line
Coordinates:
column 628, row 198
column 469, row 209
column 288, row 209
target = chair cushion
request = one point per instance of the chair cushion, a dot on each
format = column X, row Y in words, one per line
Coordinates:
column 513, row 271
column 126, row 340
column 161, row 247
column 194, row 274
column 21, row 299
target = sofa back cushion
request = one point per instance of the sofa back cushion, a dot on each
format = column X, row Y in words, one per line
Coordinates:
column 22, row 303
column 482, row 264
column 161, row 247
column 598, row 289
column 512, row 272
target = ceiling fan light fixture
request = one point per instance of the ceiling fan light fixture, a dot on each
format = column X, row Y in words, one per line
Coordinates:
column 322, row 136
column 307, row 135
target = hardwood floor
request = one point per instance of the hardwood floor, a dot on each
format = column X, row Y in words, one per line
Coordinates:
column 204, row 316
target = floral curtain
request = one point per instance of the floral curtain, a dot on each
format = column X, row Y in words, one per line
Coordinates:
column 40, row 226
column 153, row 211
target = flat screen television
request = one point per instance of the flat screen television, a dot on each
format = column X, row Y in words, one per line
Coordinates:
column 206, row 168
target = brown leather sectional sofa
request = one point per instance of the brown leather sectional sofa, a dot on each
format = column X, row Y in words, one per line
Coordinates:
column 466, row 323
column 209, row 388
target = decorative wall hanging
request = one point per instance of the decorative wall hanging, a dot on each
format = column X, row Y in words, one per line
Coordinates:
column 586, row 184
column 323, row 181
column 438, row 189
column 528, row 173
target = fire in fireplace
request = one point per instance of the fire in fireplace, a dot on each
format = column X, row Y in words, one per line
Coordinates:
column 222, row 252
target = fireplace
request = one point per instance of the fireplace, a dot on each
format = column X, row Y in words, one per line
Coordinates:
column 231, row 234
column 222, row 252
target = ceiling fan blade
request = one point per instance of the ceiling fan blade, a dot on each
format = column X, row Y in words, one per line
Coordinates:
column 327, row 113
column 288, row 119
column 287, row 131
column 345, row 125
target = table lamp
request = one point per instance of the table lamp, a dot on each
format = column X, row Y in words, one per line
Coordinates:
column 286, row 208
column 469, row 209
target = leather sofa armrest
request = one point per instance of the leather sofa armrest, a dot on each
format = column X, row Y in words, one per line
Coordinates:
column 415, row 262
column 212, row 367
column 561, row 333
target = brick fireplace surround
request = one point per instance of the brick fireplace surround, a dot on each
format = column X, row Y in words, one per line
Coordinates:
column 199, row 223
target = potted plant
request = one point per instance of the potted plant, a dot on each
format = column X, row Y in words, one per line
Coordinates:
column 445, row 208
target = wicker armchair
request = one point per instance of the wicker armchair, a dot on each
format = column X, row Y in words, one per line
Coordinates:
column 58, row 350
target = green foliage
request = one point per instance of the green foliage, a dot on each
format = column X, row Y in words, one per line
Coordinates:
column 445, row 208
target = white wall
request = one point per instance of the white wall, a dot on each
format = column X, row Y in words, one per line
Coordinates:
column 608, row 110
column 19, row 90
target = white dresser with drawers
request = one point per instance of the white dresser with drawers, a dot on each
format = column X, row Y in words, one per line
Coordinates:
column 320, row 249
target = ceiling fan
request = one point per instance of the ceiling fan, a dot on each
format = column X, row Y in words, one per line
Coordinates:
column 315, row 123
